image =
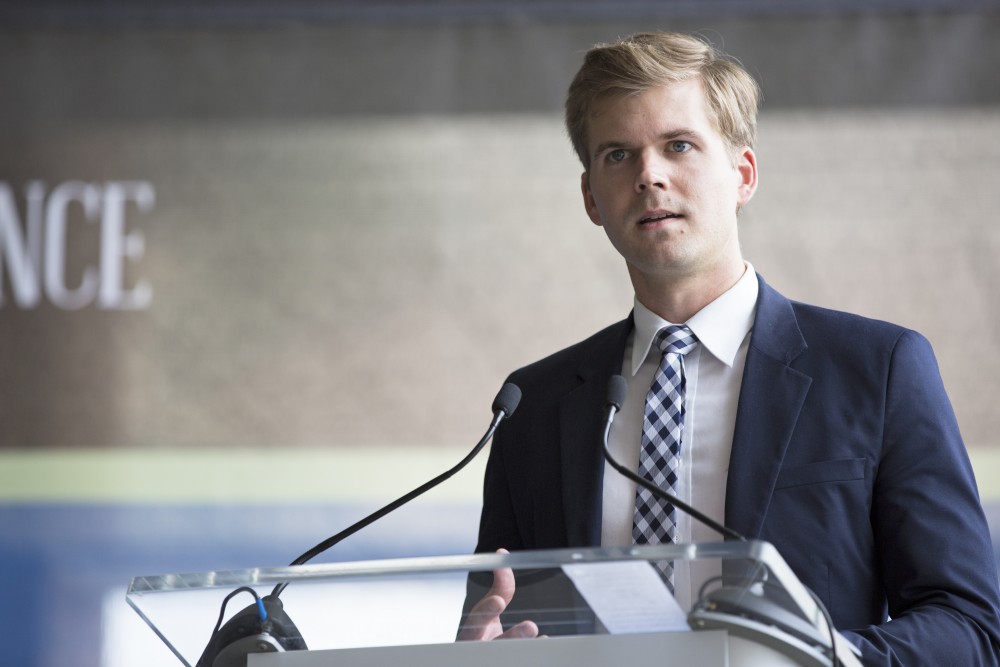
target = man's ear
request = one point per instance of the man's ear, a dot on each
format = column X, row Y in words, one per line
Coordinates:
column 588, row 199
column 746, row 168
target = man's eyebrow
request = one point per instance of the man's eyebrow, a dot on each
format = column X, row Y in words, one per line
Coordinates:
column 681, row 133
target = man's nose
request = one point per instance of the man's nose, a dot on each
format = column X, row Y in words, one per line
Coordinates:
column 653, row 172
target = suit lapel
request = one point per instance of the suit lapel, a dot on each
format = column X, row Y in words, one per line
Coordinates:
column 771, row 398
column 581, row 420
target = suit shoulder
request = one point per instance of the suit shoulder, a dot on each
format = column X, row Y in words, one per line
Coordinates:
column 853, row 336
column 830, row 322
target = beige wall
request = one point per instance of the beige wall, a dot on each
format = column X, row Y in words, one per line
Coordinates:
column 354, row 235
column 373, row 281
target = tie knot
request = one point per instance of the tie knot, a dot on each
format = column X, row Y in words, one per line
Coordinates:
column 676, row 339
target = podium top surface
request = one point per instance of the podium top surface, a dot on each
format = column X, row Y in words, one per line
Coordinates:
column 416, row 601
column 751, row 550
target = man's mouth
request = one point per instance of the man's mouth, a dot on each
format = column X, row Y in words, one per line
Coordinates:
column 657, row 217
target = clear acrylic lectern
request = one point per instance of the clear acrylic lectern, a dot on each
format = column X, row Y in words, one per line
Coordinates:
column 595, row 606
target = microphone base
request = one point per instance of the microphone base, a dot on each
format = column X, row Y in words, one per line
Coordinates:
column 245, row 633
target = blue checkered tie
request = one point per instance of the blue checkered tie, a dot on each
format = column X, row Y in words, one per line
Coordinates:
column 662, row 426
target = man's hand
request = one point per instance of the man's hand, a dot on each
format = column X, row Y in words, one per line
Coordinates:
column 483, row 620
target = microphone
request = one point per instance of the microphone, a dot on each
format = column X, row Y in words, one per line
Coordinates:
column 264, row 626
column 503, row 406
column 617, row 388
column 718, row 608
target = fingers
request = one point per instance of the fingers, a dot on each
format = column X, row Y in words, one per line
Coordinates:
column 488, row 609
column 503, row 582
column 523, row 630
column 483, row 621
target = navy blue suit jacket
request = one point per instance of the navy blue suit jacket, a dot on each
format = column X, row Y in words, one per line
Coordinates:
column 846, row 456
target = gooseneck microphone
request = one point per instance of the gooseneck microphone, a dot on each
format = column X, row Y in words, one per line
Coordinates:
column 712, row 610
column 264, row 626
column 503, row 406
column 617, row 389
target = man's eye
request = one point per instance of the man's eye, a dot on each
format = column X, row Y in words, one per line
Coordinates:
column 617, row 155
column 680, row 146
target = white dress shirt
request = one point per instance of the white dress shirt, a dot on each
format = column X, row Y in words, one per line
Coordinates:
column 714, row 374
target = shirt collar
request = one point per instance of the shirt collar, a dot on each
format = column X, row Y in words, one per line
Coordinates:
column 720, row 326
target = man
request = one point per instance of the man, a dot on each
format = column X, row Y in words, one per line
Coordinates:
column 826, row 434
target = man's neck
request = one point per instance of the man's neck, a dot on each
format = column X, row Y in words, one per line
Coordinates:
column 676, row 300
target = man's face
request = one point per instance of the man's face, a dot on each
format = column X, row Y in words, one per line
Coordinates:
column 665, row 185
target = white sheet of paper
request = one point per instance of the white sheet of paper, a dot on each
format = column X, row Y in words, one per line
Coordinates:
column 628, row 596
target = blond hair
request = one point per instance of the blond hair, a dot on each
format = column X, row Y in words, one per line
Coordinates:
column 647, row 60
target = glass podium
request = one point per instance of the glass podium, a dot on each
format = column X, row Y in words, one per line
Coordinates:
column 594, row 606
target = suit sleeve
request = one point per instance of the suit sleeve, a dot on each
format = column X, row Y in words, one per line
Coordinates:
column 543, row 595
column 935, row 554
column 497, row 526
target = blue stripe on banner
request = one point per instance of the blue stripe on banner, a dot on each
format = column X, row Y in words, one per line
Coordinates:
column 57, row 562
